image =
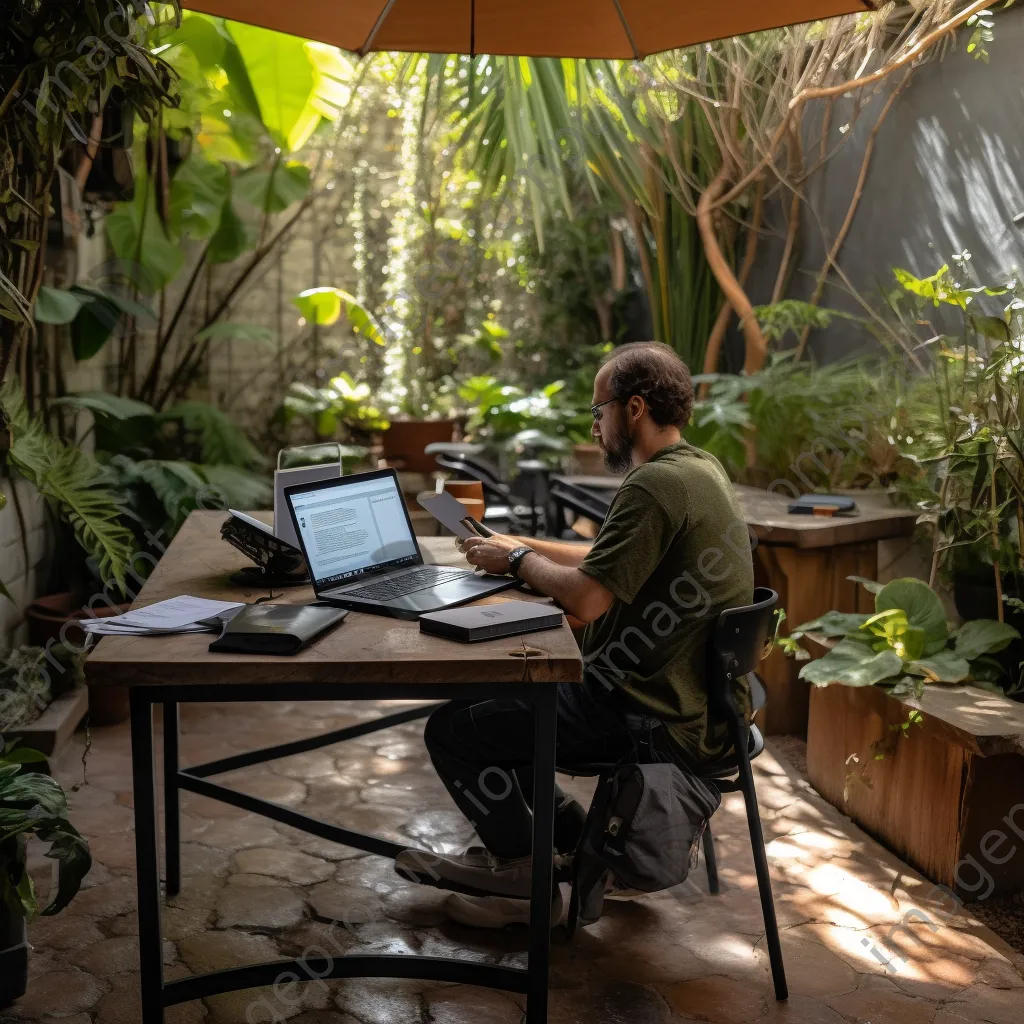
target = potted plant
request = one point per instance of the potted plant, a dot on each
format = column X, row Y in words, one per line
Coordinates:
column 339, row 410
column 31, row 805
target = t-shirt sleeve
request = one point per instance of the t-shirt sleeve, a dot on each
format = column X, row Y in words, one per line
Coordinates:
column 633, row 540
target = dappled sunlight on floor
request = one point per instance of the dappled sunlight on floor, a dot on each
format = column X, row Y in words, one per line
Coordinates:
column 862, row 939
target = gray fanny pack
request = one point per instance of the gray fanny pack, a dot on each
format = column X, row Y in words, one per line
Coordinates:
column 643, row 833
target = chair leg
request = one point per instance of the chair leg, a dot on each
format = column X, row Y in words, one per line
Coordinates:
column 764, row 882
column 710, row 861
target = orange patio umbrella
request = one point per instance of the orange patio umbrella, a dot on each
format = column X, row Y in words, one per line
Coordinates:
column 530, row 28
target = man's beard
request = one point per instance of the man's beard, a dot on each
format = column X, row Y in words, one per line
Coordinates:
column 618, row 453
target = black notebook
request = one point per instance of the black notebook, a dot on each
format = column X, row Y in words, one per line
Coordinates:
column 276, row 628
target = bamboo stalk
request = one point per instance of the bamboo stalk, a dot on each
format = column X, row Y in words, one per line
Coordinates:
column 995, row 546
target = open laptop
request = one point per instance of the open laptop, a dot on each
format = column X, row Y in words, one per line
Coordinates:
column 362, row 554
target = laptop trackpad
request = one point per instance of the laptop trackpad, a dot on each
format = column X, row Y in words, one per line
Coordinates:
column 436, row 598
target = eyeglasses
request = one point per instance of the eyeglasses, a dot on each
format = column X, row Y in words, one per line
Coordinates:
column 595, row 410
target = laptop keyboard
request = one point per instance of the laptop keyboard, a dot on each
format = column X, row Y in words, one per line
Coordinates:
column 421, row 579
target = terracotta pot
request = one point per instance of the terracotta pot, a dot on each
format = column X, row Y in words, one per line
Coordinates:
column 589, row 460
column 469, row 491
column 47, row 618
column 405, row 440
column 474, row 507
column 465, row 489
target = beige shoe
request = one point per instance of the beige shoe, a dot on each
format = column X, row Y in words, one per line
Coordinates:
column 497, row 911
column 477, row 872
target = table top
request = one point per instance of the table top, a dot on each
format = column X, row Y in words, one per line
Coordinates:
column 362, row 649
column 766, row 513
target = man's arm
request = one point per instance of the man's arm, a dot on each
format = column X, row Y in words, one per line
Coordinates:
column 560, row 552
column 577, row 593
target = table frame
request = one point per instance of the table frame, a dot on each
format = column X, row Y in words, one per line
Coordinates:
column 157, row 994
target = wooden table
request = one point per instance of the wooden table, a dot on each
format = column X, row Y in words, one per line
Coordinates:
column 367, row 657
column 806, row 560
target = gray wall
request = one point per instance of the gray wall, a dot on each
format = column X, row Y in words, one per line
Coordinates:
column 947, row 175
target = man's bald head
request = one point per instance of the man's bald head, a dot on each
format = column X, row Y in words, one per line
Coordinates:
column 653, row 371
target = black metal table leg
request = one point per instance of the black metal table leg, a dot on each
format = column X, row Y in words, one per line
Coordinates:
column 172, row 815
column 146, row 860
column 543, row 845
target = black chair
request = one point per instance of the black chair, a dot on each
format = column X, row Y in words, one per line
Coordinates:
column 740, row 639
column 588, row 504
column 469, row 462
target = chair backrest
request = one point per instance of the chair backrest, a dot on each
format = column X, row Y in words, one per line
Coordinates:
column 581, row 501
column 739, row 640
column 471, row 466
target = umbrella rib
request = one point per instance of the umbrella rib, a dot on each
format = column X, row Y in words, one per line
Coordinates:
column 377, row 25
column 627, row 29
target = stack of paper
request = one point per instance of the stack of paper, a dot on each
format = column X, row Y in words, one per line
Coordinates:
column 177, row 615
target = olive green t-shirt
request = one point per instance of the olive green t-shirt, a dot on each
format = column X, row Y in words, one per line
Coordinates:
column 674, row 551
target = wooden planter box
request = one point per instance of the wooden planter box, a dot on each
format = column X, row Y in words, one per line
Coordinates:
column 806, row 560
column 952, row 787
column 56, row 725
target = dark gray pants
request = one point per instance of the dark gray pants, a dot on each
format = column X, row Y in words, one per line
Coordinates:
column 483, row 754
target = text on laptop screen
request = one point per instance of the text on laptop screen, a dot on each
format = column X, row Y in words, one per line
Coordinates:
column 352, row 527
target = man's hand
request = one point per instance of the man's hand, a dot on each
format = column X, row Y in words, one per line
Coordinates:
column 490, row 553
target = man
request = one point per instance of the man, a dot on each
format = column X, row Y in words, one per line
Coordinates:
column 672, row 553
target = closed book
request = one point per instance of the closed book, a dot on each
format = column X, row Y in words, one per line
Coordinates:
column 491, row 621
column 276, row 628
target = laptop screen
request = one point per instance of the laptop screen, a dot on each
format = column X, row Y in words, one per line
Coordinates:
column 353, row 526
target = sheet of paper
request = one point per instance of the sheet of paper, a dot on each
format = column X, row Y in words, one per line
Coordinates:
column 449, row 512
column 171, row 615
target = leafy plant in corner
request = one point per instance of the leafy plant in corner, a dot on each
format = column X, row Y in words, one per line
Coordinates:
column 906, row 644
column 33, row 805
column 72, row 484
column 163, row 465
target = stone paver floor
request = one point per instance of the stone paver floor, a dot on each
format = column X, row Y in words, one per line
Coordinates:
column 255, row 891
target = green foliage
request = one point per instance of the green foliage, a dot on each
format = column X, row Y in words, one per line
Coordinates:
column 274, row 190
column 68, row 478
column 905, row 644
column 217, row 440
column 500, row 413
column 342, row 404
column 325, row 306
column 963, row 424
column 161, row 466
column 34, row 806
column 941, row 287
column 93, row 313
column 818, row 427
column 792, row 315
column 543, row 125
column 139, row 236
column 28, row 685
column 65, row 67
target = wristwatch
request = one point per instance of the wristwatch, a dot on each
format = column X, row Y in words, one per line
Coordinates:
column 515, row 557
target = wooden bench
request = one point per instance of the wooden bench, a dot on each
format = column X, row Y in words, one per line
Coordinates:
column 948, row 791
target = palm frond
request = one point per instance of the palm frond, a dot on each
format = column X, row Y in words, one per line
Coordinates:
column 71, row 481
column 220, row 441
